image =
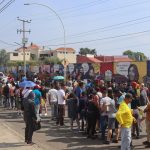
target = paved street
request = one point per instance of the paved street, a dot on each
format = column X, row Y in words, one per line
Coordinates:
column 49, row 137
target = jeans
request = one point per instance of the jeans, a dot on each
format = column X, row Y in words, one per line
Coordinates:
column 125, row 138
column 54, row 109
column 37, row 111
column 12, row 101
column 61, row 114
column 103, row 124
column 6, row 101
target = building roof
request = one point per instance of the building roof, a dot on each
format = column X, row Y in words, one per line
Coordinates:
column 122, row 59
column 33, row 46
column 30, row 47
column 84, row 59
column 67, row 49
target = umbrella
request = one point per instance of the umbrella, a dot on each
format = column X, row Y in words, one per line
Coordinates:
column 27, row 84
column 58, row 78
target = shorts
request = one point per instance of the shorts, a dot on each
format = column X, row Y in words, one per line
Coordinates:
column 111, row 123
column 116, row 124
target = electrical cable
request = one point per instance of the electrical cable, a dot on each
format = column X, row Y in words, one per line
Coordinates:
column 6, row 5
column 106, row 28
column 6, row 43
column 2, row 2
column 107, row 10
column 105, row 38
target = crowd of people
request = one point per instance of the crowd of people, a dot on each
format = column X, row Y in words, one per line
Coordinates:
column 101, row 109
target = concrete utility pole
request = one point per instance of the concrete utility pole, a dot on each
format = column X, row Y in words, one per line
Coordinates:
column 24, row 40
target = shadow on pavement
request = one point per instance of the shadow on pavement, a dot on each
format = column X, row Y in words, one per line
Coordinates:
column 11, row 145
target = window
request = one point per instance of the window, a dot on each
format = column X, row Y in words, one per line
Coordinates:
column 15, row 54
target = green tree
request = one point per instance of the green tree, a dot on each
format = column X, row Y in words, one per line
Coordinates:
column 50, row 60
column 137, row 56
column 84, row 51
column 3, row 57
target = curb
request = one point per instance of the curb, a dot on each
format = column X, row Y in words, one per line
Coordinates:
column 35, row 146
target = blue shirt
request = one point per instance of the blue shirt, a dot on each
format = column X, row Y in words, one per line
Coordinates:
column 78, row 91
column 38, row 95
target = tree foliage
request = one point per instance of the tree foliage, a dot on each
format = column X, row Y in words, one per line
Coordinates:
column 51, row 60
column 137, row 56
column 3, row 57
column 21, row 63
column 84, row 51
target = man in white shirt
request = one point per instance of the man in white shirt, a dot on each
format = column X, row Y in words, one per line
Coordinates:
column 62, row 97
column 52, row 98
column 104, row 103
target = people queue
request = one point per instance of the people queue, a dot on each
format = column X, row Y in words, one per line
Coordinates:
column 100, row 110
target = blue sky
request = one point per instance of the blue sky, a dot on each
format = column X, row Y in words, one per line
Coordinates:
column 109, row 26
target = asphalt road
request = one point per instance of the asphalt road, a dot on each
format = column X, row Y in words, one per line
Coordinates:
column 50, row 137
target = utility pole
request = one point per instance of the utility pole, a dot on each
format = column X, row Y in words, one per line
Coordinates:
column 24, row 40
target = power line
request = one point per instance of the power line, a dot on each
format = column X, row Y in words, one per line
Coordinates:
column 84, row 6
column 114, row 25
column 111, row 27
column 6, row 43
column 2, row 2
column 106, row 38
column 78, row 6
column 66, row 11
column 6, row 5
column 112, row 9
column 102, row 11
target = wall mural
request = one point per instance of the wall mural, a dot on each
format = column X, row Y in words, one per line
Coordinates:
column 81, row 71
column 109, row 71
column 130, row 71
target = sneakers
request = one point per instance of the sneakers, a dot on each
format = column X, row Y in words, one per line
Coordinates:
column 45, row 114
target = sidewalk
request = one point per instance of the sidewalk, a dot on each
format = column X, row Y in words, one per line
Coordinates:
column 11, row 140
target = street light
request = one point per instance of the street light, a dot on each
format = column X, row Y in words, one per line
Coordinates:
column 62, row 27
